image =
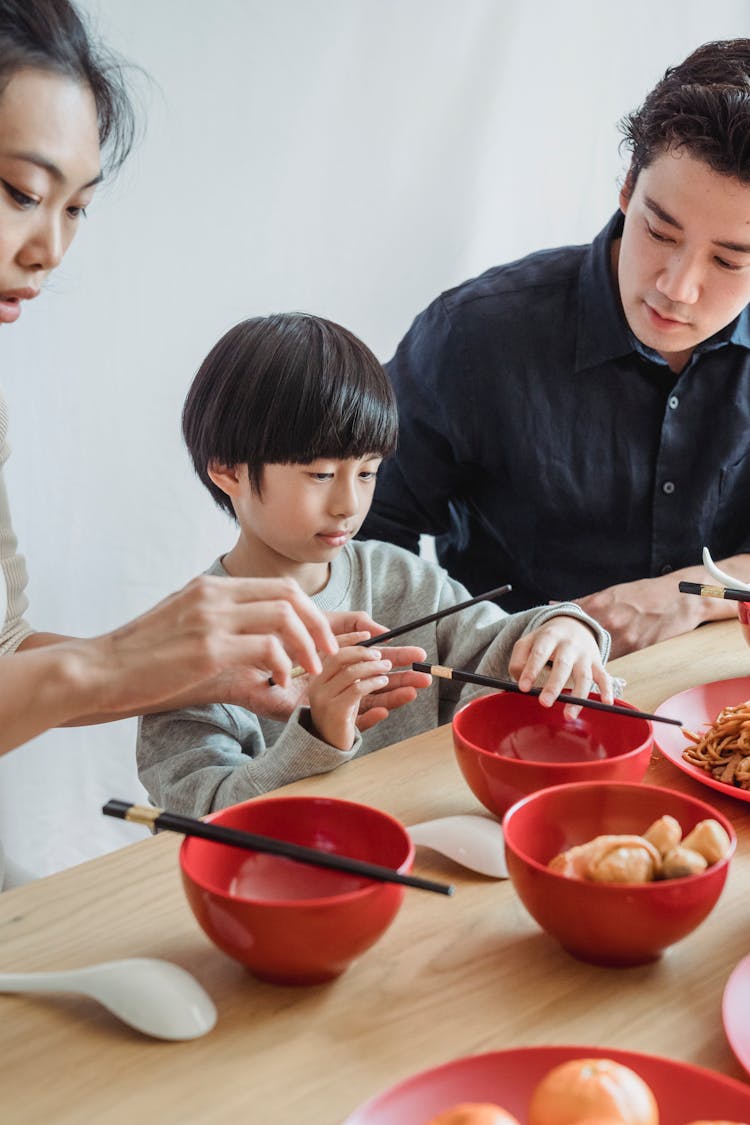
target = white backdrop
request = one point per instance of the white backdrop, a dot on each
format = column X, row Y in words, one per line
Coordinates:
column 345, row 157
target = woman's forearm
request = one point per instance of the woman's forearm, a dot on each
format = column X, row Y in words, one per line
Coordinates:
column 43, row 687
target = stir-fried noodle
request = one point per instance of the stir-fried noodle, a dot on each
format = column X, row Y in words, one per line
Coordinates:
column 724, row 749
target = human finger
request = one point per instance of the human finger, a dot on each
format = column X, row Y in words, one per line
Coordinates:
column 401, row 656
column 532, row 659
column 317, row 635
column 557, row 677
column 353, row 621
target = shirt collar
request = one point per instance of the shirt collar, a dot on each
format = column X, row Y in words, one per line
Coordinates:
column 603, row 332
column 602, row 329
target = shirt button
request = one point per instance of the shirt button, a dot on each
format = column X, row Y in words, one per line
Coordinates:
column 668, row 487
column 674, row 402
column 666, row 569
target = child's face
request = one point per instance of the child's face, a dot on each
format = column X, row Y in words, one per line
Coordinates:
column 307, row 513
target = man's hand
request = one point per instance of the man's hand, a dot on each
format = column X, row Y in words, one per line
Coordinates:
column 638, row 614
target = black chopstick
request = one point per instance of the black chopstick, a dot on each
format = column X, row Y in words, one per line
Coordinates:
column 407, row 628
column 510, row 685
column 707, row 591
column 189, row 826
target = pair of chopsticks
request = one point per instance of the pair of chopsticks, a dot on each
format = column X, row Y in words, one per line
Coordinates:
column 705, row 591
column 250, row 841
column 407, row 628
column 510, row 685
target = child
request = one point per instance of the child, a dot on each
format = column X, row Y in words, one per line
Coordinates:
column 287, row 422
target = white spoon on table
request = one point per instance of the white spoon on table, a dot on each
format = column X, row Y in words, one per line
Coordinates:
column 476, row 842
column 155, row 997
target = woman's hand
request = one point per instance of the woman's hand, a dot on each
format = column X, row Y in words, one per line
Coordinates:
column 570, row 647
column 216, row 640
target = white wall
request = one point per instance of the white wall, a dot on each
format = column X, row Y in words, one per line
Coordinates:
column 347, row 157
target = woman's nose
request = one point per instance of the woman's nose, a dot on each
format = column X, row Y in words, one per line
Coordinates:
column 45, row 246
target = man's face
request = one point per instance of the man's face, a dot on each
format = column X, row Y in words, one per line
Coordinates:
column 683, row 264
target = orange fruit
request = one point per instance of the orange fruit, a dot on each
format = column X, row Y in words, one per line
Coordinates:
column 578, row 1091
column 474, row 1113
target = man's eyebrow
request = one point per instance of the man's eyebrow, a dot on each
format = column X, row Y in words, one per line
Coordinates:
column 48, row 166
column 737, row 247
column 661, row 213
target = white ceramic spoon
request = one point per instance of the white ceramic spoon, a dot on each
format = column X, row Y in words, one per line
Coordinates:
column 475, row 842
column 155, row 997
column 721, row 576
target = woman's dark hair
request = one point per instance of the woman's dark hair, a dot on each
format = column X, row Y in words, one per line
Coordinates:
column 287, row 389
column 701, row 106
column 51, row 35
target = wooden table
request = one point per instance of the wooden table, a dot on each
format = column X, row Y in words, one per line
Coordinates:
column 451, row 976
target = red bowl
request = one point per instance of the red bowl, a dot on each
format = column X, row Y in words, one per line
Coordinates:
column 288, row 922
column 743, row 612
column 508, row 745
column 607, row 923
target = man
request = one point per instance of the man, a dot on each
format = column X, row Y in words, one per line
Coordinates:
column 577, row 423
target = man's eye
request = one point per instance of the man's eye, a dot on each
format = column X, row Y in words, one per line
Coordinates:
column 732, row 266
column 656, row 236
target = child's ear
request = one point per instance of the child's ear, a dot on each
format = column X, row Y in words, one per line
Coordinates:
column 225, row 477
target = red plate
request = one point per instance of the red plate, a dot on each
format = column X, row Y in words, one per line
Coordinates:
column 684, row 1093
column 735, row 1011
column 695, row 708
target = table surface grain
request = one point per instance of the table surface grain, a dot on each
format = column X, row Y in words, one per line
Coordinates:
column 451, row 977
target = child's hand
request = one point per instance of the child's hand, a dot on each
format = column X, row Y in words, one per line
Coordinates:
column 336, row 693
column 402, row 686
column 570, row 647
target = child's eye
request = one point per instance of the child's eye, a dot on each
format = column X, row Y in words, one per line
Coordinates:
column 321, row 476
column 19, row 197
column 368, row 475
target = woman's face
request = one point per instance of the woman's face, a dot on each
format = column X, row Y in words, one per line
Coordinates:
column 49, row 168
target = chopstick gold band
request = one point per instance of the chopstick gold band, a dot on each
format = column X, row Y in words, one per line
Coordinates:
column 442, row 672
column 704, row 590
column 489, row 596
column 142, row 814
column 250, row 841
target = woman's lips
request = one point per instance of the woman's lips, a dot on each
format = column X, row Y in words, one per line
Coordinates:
column 10, row 303
column 10, row 309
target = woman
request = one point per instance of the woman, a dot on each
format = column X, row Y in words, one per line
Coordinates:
column 63, row 103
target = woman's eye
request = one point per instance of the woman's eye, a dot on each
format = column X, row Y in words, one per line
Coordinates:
column 19, row 197
column 77, row 212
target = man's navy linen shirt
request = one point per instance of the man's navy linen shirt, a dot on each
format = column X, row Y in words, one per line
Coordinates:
column 544, row 446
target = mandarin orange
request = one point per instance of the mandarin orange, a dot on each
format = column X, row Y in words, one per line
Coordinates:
column 576, row 1091
column 474, row 1113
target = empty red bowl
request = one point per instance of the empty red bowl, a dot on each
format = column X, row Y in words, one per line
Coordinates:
column 743, row 612
column 607, row 923
column 508, row 745
column 288, row 922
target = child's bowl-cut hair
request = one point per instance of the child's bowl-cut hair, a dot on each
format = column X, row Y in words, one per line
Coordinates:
column 287, row 389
